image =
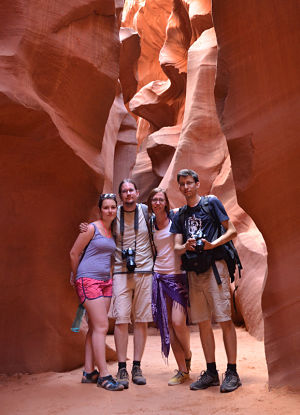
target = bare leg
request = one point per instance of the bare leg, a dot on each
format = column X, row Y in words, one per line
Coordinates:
column 207, row 340
column 176, row 319
column 89, row 363
column 230, row 342
column 121, row 341
column 181, row 329
column 139, row 340
column 97, row 313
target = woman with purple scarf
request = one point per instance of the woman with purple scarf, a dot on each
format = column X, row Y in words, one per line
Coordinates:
column 170, row 288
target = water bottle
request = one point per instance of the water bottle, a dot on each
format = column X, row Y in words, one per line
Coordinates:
column 78, row 318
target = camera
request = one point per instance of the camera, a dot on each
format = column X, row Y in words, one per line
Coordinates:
column 129, row 255
column 199, row 243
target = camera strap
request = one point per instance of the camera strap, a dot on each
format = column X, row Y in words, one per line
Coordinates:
column 136, row 225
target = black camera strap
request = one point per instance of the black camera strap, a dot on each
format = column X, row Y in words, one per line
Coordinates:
column 136, row 225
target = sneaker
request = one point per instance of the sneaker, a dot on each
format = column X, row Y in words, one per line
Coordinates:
column 230, row 381
column 179, row 378
column 137, row 376
column 109, row 383
column 205, row 380
column 90, row 377
column 188, row 363
column 123, row 377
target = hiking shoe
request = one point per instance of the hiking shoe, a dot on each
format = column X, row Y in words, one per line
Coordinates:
column 123, row 377
column 188, row 363
column 137, row 376
column 230, row 382
column 205, row 380
column 109, row 383
column 90, row 377
column 179, row 378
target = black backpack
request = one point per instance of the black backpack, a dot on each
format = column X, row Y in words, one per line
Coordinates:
column 226, row 251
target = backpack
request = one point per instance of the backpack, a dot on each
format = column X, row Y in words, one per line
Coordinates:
column 226, row 251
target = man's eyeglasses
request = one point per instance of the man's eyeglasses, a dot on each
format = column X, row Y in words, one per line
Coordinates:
column 187, row 183
column 127, row 191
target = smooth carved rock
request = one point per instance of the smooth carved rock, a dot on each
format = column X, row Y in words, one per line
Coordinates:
column 119, row 144
column 202, row 146
column 257, row 92
column 161, row 147
column 130, row 52
column 161, row 102
column 59, row 70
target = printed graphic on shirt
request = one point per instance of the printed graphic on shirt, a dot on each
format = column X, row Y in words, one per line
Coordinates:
column 194, row 225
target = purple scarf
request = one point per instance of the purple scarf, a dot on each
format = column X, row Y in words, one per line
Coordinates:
column 175, row 286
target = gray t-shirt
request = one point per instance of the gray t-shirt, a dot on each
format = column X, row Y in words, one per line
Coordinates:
column 96, row 261
column 143, row 256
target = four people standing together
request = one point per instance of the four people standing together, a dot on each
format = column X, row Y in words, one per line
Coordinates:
column 143, row 292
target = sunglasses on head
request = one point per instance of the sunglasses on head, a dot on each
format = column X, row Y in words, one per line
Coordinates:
column 108, row 196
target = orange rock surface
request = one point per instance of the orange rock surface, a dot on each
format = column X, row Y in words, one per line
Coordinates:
column 59, row 65
column 257, row 94
column 222, row 100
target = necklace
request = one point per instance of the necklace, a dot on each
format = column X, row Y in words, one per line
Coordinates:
column 106, row 232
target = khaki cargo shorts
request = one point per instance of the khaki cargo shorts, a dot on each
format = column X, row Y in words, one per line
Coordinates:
column 132, row 296
column 207, row 298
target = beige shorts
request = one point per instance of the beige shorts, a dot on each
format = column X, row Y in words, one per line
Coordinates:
column 132, row 296
column 207, row 298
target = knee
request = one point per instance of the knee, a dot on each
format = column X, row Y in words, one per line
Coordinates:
column 101, row 328
column 178, row 324
column 205, row 326
column 227, row 325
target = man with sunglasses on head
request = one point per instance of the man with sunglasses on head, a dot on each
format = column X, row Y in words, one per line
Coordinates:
column 209, row 282
column 132, row 281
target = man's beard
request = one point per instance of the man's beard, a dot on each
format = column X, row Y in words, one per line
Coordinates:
column 129, row 204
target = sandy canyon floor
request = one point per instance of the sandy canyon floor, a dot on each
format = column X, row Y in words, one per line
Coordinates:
column 62, row 393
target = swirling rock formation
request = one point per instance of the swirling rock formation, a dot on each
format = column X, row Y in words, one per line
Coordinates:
column 59, row 65
column 257, row 93
column 202, row 146
column 185, row 132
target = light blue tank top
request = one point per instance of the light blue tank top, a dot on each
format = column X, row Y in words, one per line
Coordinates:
column 96, row 260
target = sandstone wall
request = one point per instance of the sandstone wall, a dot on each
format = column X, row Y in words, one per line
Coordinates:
column 184, row 131
column 59, row 65
column 257, row 94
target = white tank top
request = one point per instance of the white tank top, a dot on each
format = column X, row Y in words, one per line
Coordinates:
column 167, row 261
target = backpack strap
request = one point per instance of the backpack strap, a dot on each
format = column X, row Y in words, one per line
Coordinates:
column 206, row 206
column 181, row 213
column 149, row 227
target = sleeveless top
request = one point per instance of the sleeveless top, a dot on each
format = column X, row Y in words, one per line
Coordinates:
column 97, row 257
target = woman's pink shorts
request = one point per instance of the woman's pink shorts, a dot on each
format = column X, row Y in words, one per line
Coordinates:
column 90, row 289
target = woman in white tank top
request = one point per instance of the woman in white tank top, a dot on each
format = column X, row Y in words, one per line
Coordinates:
column 170, row 289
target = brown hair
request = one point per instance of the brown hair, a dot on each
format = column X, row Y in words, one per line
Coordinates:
column 126, row 181
column 187, row 172
column 152, row 194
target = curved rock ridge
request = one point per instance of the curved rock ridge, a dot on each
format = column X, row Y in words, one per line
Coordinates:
column 257, row 94
column 161, row 102
column 59, row 66
column 198, row 142
column 202, row 146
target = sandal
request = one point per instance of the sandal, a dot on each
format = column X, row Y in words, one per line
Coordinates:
column 90, row 377
column 109, row 383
